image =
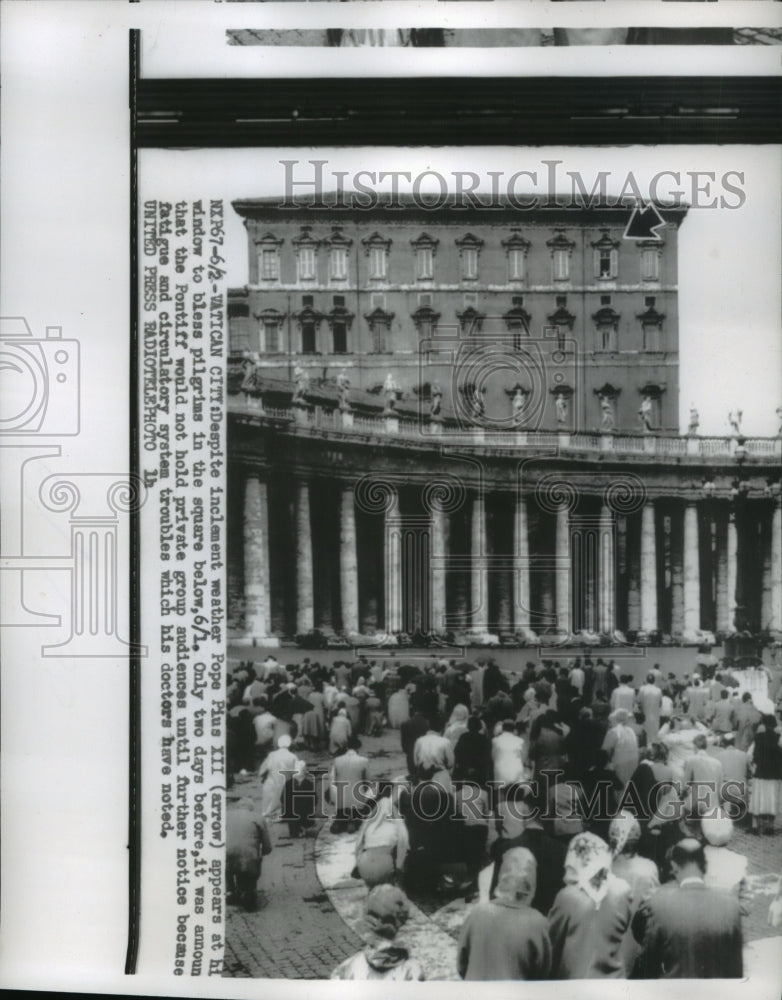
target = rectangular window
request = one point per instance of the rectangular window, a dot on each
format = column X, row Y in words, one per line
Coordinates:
column 270, row 336
column 650, row 265
column 650, row 301
column 606, row 263
column 607, row 338
column 338, row 263
column 515, row 265
column 561, row 265
column 424, row 299
column 379, row 331
column 269, row 264
column 306, row 263
column 561, row 301
column 424, row 263
column 469, row 264
column 339, row 333
column 378, row 262
column 652, row 337
column 308, row 337
column 605, row 300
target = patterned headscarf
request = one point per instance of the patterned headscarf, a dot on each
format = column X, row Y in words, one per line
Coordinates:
column 588, row 866
column 624, row 832
column 518, row 876
column 386, row 910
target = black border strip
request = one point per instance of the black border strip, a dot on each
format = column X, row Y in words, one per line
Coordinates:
column 460, row 111
column 134, row 679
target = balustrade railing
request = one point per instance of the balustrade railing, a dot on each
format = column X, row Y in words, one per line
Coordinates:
column 411, row 428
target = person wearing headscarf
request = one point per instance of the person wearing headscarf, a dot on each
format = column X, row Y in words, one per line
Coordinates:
column 548, row 851
column 398, row 710
column 590, row 916
column 529, row 710
column 274, row 772
column 433, row 758
column 299, row 801
column 621, row 744
column 506, row 938
column 641, row 874
column 340, row 731
column 725, row 869
column 385, row 913
column 374, row 711
column 382, row 844
column 457, row 724
column 247, row 842
column 507, row 753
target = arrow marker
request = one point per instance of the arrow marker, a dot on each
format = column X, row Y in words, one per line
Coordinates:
column 644, row 223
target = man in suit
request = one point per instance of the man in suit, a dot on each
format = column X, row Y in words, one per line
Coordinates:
column 349, row 788
column 703, row 778
column 689, row 931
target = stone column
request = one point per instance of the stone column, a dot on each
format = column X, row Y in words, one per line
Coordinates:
column 733, row 565
column 633, row 577
column 776, row 567
column 348, row 561
column 439, row 555
column 520, row 595
column 764, row 541
column 607, row 571
column 305, row 603
column 479, row 576
column 677, row 572
column 648, row 569
column 393, row 566
column 562, row 572
column 256, row 562
column 724, row 619
column 691, row 562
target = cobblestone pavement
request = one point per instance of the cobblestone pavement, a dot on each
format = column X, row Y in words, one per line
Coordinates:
column 304, row 928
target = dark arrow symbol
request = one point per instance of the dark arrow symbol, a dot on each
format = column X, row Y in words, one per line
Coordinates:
column 644, row 223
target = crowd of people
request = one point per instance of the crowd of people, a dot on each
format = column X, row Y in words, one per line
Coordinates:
column 585, row 817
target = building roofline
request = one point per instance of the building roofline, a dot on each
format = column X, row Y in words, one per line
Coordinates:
column 561, row 209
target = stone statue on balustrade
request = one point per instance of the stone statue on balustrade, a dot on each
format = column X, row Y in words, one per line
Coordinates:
column 560, row 407
column 436, row 402
column 250, row 364
column 734, row 419
column 695, row 421
column 779, row 415
column 391, row 392
column 645, row 414
column 607, row 419
column 302, row 382
column 343, row 387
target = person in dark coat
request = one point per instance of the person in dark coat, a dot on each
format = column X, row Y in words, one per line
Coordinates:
column 472, row 754
column 689, row 931
column 409, row 732
column 549, row 854
column 247, row 843
column 493, row 681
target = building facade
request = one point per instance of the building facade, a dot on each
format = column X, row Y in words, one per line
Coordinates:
column 464, row 423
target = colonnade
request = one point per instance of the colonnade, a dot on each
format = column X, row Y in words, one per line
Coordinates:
column 563, row 561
